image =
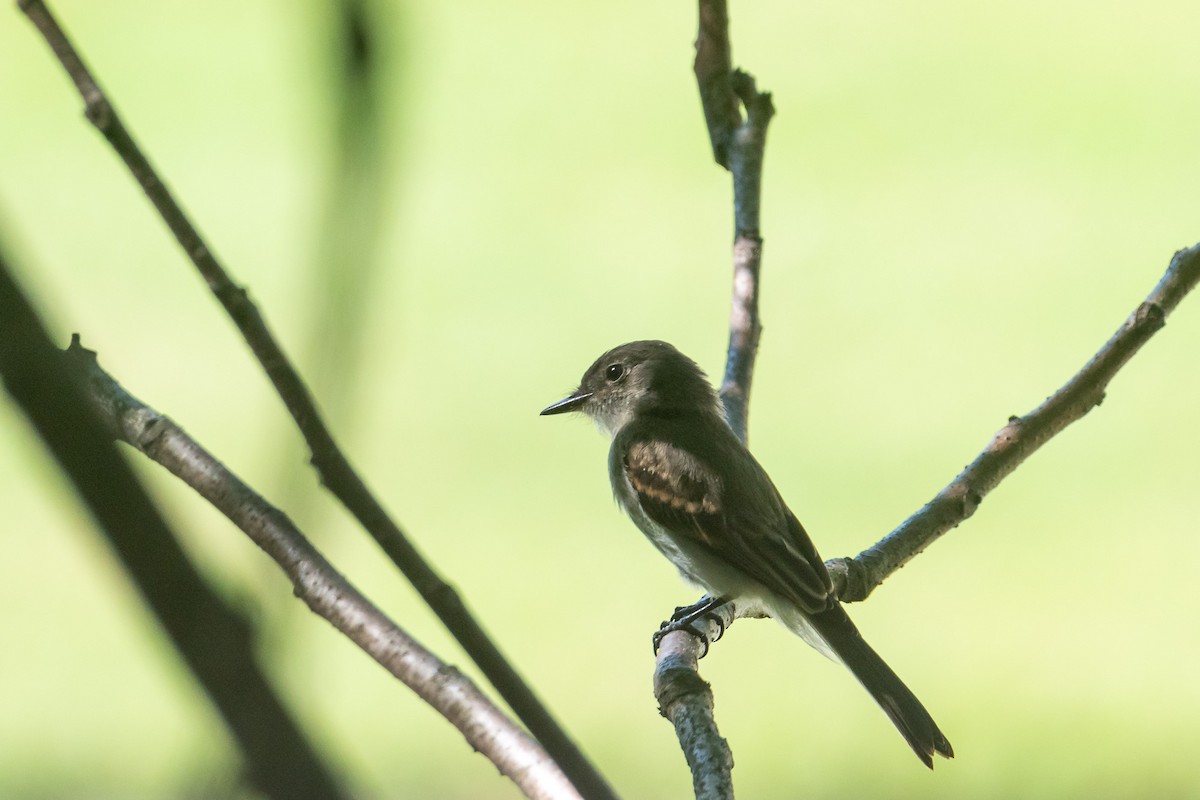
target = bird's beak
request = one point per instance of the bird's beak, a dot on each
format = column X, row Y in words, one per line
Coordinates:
column 572, row 403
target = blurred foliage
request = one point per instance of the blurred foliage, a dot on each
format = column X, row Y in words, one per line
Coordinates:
column 961, row 203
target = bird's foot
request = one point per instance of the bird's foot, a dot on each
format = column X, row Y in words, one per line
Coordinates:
column 692, row 619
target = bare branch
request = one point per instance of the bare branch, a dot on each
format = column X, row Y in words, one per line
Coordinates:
column 744, row 333
column 322, row 588
column 686, row 700
column 855, row 578
column 714, row 76
column 334, row 468
column 738, row 145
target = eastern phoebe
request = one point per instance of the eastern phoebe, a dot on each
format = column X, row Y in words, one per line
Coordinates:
column 702, row 499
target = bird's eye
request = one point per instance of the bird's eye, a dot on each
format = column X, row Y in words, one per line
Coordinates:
column 614, row 372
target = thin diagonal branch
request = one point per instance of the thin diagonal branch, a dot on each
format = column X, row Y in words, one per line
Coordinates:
column 331, row 464
column 214, row 642
column 322, row 588
column 855, row 578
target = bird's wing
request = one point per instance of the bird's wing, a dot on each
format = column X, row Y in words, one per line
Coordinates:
column 747, row 526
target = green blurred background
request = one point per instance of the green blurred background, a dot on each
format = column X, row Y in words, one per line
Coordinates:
column 962, row 202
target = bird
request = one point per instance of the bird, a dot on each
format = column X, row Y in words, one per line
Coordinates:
column 693, row 488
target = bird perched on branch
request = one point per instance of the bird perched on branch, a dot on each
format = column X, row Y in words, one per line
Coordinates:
column 703, row 500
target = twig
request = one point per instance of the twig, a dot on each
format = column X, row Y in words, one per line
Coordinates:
column 855, row 578
column 714, row 77
column 738, row 146
column 322, row 587
column 214, row 642
column 331, row 464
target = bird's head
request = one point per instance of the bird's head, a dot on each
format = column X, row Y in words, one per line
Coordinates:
column 644, row 378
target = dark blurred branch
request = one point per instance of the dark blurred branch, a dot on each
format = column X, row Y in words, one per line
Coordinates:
column 215, row 642
column 346, row 249
column 855, row 578
column 319, row 585
column 343, row 275
column 331, row 464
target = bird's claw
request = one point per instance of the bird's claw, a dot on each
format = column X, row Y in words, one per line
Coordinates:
column 693, row 619
column 692, row 610
column 670, row 626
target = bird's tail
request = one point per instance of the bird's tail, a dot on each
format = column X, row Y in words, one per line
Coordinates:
column 906, row 712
